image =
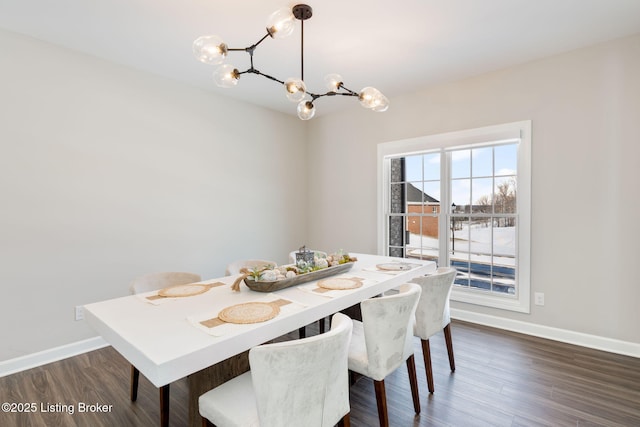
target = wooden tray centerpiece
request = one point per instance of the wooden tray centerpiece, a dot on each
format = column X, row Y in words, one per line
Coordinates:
column 265, row 279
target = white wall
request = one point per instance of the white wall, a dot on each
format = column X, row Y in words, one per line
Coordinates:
column 107, row 173
column 585, row 112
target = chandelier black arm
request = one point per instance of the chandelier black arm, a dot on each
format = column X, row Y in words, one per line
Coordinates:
column 254, row 71
column 315, row 96
column 348, row 92
column 352, row 93
column 251, row 48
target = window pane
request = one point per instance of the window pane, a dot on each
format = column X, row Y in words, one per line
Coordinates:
column 413, row 168
column 461, row 164
column 504, row 258
column 505, row 195
column 414, row 240
column 459, row 240
column 429, row 248
column 459, row 248
column 480, row 242
column 431, row 167
column 413, row 224
column 481, row 192
column 414, row 197
column 480, row 251
column 461, row 194
column 482, row 161
column 432, row 193
column 423, row 238
column 506, row 159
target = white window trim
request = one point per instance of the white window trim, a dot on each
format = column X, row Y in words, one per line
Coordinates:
column 490, row 134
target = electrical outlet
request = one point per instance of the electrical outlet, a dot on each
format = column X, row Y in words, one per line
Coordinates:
column 539, row 298
column 79, row 311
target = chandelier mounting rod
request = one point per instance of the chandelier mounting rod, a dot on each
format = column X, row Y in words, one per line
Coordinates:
column 302, row 12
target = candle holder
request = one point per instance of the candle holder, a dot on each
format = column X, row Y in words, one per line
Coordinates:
column 306, row 256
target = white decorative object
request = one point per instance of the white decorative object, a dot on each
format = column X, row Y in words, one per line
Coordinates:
column 268, row 275
column 322, row 263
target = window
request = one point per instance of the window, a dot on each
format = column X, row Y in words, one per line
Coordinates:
column 462, row 199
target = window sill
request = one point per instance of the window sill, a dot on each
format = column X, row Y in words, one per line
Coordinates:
column 483, row 298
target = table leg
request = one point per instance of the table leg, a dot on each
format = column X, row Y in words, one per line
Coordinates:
column 164, row 405
column 353, row 312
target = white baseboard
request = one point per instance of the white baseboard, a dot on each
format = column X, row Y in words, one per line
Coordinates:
column 44, row 357
column 578, row 338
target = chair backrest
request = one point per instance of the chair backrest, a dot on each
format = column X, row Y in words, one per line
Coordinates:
column 153, row 281
column 433, row 311
column 303, row 382
column 235, row 267
column 292, row 255
column 387, row 325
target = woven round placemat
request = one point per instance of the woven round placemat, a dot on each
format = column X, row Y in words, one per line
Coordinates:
column 394, row 266
column 183, row 290
column 339, row 283
column 250, row 312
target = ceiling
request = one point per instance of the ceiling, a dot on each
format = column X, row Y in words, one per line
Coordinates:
column 396, row 46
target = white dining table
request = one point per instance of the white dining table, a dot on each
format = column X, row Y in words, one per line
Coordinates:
column 160, row 338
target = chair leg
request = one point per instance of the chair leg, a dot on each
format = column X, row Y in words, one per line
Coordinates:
column 426, row 355
column 321, row 325
column 345, row 421
column 381, row 400
column 302, row 332
column 413, row 381
column 164, row 406
column 135, row 377
column 449, row 341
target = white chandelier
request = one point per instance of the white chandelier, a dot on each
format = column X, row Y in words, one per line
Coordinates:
column 212, row 50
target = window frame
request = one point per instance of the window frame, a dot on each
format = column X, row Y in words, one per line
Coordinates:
column 470, row 138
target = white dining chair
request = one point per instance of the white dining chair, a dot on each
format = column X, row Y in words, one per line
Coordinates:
column 235, row 267
column 294, row 383
column 383, row 340
column 433, row 315
column 147, row 283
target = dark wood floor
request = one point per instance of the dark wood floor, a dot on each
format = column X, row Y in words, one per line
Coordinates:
column 501, row 379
